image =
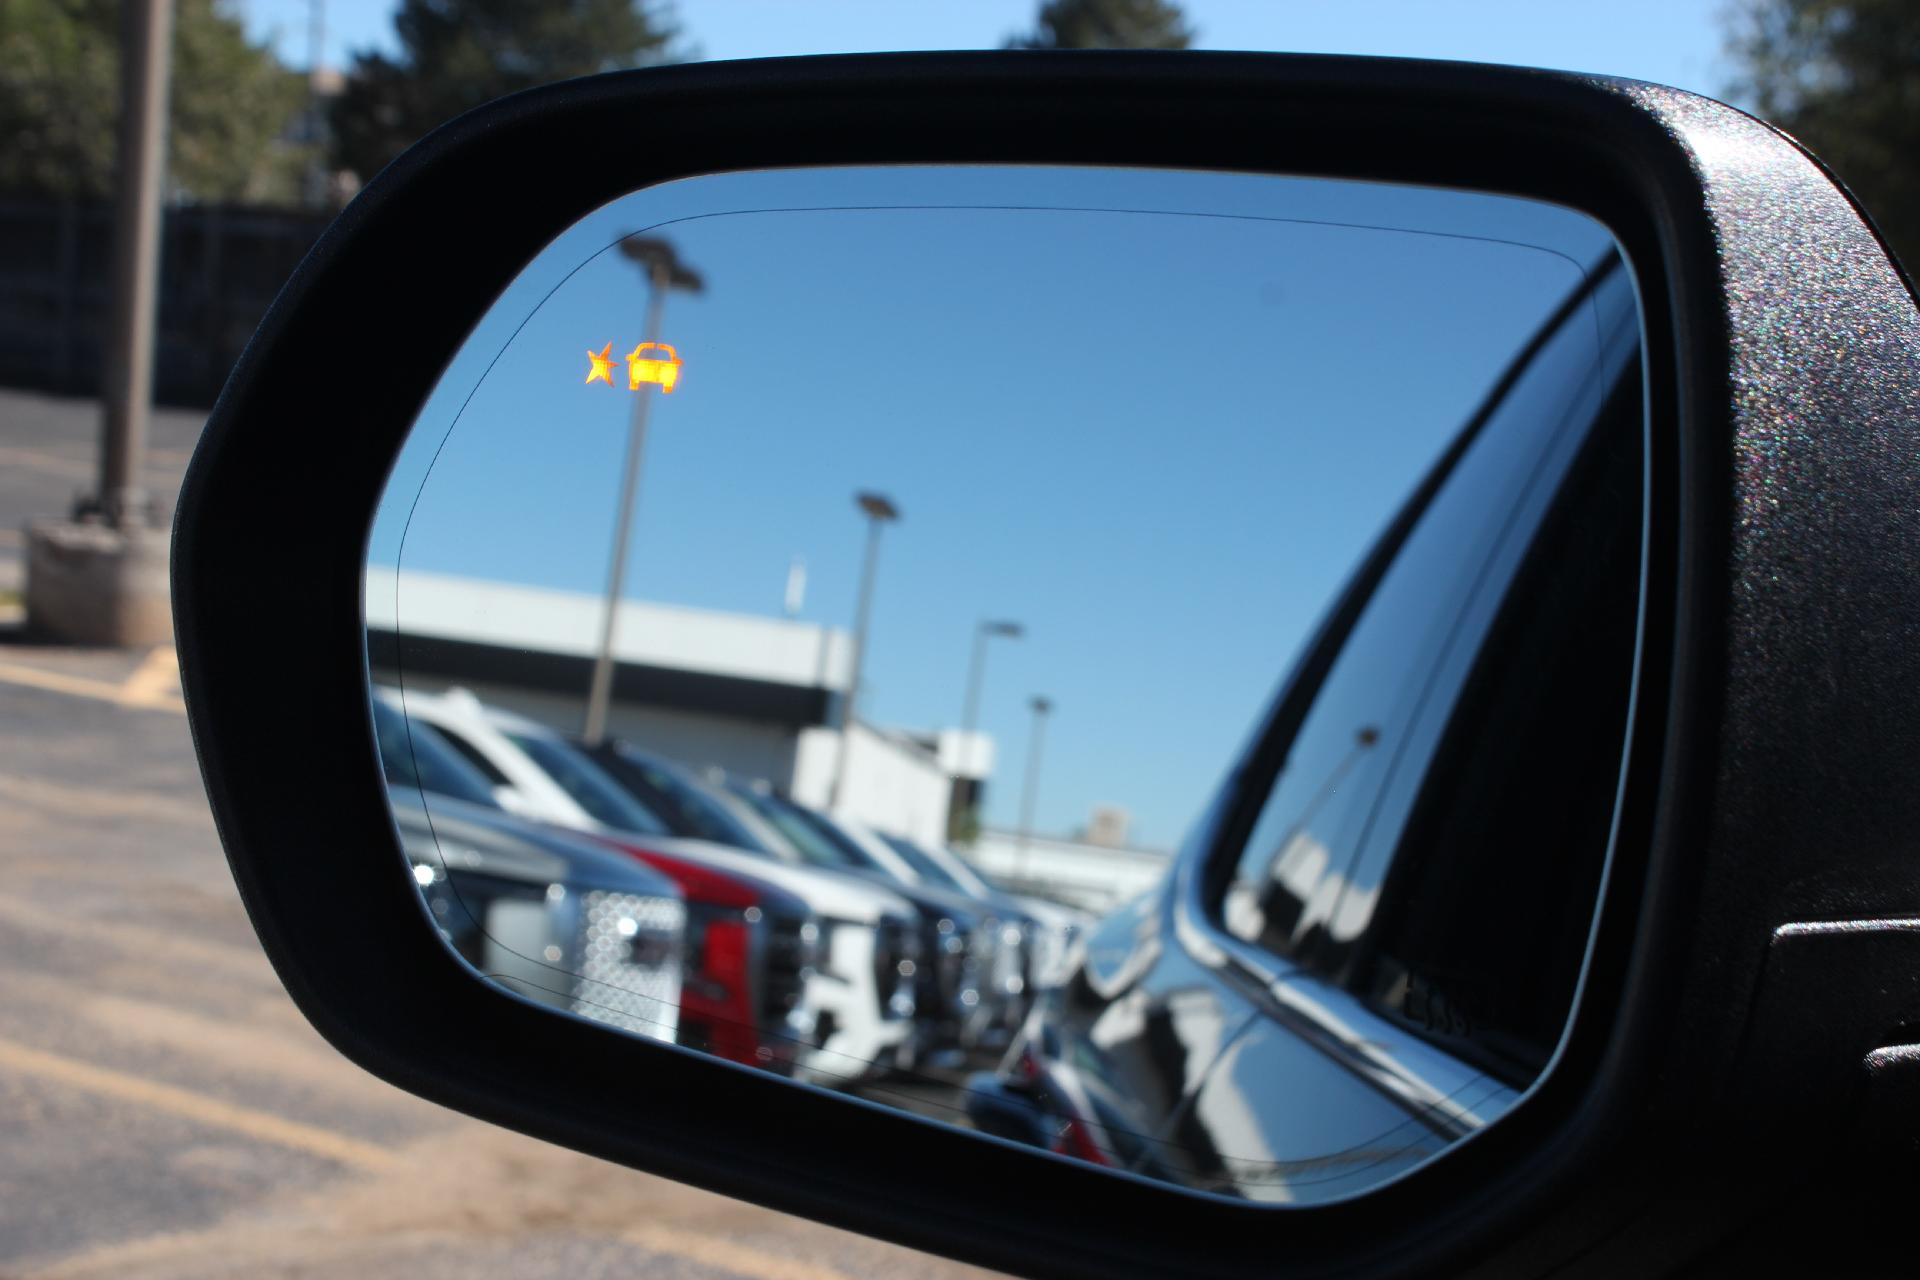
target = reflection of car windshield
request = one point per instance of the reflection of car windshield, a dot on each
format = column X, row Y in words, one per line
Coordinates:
column 828, row 830
column 591, row 789
column 414, row 755
column 923, row 866
column 707, row 817
column 791, row 823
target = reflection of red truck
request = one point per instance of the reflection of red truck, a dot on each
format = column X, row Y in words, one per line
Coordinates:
column 747, row 955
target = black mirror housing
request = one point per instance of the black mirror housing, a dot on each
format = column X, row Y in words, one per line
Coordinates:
column 1747, row 1013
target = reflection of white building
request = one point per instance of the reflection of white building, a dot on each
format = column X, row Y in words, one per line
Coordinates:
column 1093, row 877
column 759, row 697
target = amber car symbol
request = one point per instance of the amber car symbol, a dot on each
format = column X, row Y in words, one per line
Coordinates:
column 663, row 369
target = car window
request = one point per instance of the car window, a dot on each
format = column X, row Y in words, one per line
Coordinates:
column 811, row 843
column 702, row 814
column 603, row 798
column 474, row 756
column 849, row 850
column 923, row 866
column 1301, row 888
column 414, row 755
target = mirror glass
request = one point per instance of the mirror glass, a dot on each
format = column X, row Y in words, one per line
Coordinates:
column 830, row 620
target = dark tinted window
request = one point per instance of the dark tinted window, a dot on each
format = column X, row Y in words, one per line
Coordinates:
column 923, row 866
column 680, row 800
column 474, row 756
column 806, row 839
column 1327, row 857
column 414, row 755
column 1481, row 921
column 590, row 788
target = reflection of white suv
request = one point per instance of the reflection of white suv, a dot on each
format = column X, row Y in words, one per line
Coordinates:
column 859, row 999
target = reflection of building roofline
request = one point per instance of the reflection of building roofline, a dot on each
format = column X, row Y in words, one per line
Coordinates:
column 467, row 662
column 1069, row 845
column 740, row 666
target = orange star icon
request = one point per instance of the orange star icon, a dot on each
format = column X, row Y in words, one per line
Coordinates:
column 602, row 369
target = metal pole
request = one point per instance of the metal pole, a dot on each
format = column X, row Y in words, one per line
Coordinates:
column 970, row 715
column 1030, row 791
column 601, row 692
column 316, row 134
column 861, row 614
column 136, row 260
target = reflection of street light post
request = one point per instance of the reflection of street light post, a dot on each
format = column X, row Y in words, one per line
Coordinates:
column 1031, row 791
column 879, row 510
column 664, row 271
column 970, row 716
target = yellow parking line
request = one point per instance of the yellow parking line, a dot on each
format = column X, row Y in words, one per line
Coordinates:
column 84, row 687
column 154, row 681
column 724, row 1255
column 246, row 1121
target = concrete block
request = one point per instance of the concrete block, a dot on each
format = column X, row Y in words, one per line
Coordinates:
column 91, row 584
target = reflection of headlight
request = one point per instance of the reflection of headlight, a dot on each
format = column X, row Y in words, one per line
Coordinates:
column 816, row 946
column 896, row 952
column 1006, row 973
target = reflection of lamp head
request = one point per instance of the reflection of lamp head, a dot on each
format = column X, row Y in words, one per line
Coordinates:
column 1369, row 735
column 877, row 505
column 1011, row 630
column 658, row 257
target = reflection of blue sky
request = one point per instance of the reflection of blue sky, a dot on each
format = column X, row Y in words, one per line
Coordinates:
column 1159, row 440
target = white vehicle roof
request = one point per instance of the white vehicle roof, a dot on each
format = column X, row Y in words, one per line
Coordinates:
column 466, row 721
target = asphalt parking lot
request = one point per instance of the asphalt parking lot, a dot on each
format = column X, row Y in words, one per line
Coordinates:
column 164, row 1110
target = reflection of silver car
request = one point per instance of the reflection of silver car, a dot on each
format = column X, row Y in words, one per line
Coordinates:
column 545, row 914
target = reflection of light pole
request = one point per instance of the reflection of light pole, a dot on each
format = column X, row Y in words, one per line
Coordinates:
column 664, row 271
column 879, row 510
column 1030, row 793
column 970, row 716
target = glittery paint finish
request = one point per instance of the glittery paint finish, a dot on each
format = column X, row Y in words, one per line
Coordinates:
column 1817, row 815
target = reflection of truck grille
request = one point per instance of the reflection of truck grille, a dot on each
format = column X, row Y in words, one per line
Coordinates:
column 784, row 973
column 631, row 951
column 945, row 974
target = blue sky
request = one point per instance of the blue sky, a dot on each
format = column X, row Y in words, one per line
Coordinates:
column 1159, row 440
column 1670, row 41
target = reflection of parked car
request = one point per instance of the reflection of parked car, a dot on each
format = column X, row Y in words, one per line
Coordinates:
column 549, row 915
column 1276, row 1020
column 822, row 959
column 947, row 987
column 1011, row 936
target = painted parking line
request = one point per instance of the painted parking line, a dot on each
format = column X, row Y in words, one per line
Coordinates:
column 148, row 694
column 155, row 682
column 725, row 1255
column 66, row 466
column 246, row 1121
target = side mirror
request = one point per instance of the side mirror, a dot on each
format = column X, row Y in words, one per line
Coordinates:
column 1549, row 439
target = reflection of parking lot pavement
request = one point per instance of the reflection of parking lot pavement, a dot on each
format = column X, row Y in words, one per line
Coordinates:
column 165, row 1111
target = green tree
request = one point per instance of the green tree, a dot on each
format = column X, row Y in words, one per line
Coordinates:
column 230, row 104
column 456, row 54
column 1107, row 24
column 1843, row 76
